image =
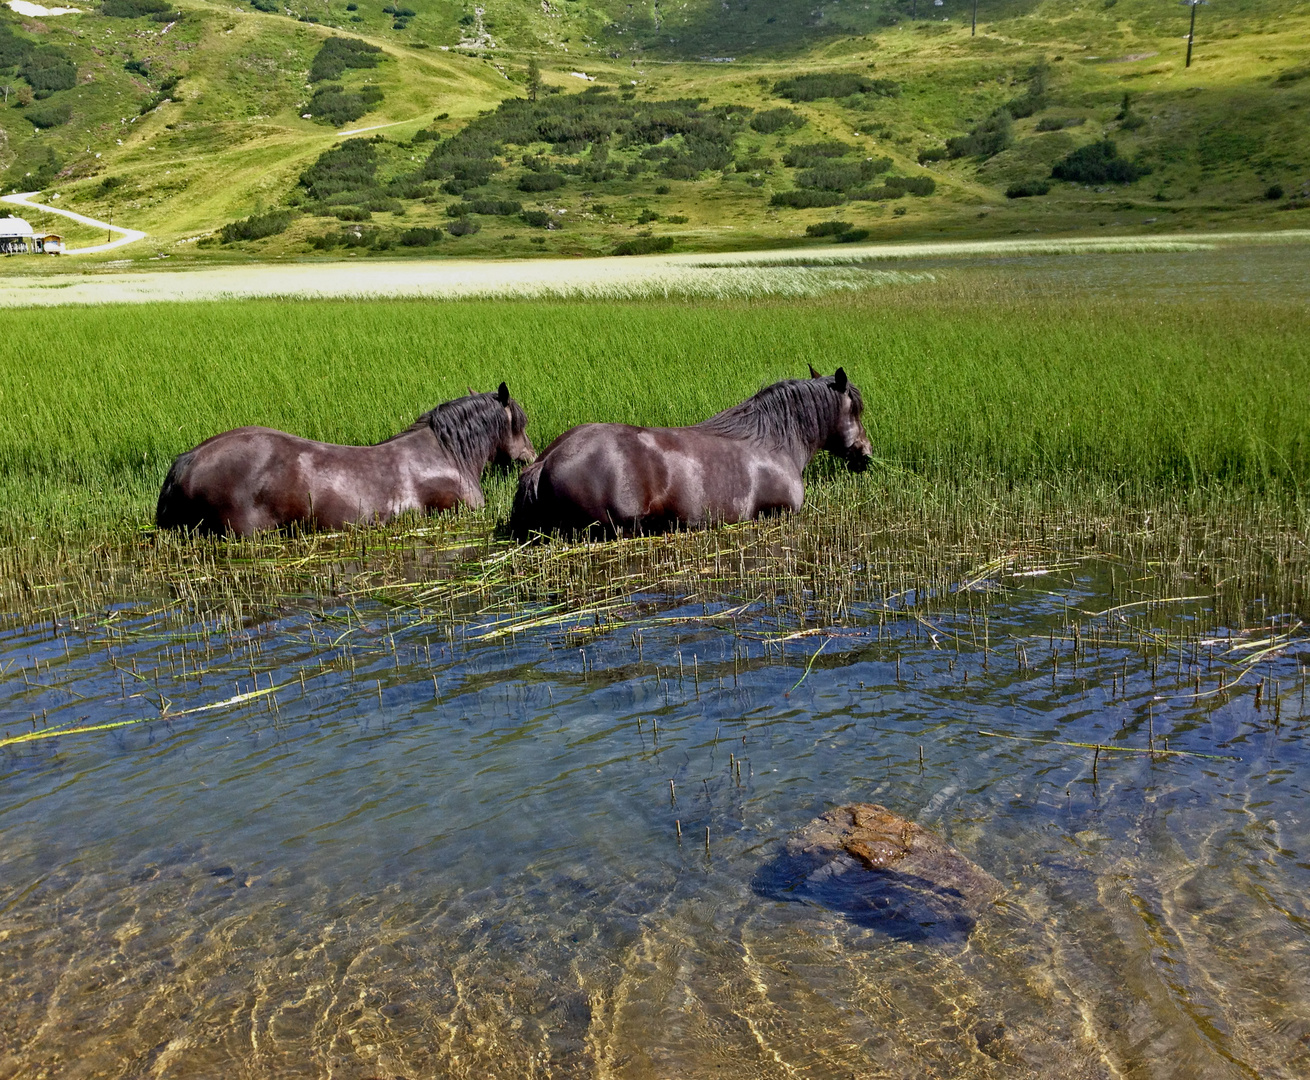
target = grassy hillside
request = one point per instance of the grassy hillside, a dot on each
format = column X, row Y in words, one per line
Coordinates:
column 180, row 119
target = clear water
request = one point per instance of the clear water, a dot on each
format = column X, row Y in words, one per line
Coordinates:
column 376, row 877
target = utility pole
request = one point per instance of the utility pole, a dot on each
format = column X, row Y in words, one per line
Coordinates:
column 973, row 29
column 1191, row 29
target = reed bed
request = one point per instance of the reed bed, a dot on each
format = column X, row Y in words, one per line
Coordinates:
column 961, row 380
column 1212, row 599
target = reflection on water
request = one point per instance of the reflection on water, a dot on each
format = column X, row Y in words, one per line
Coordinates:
column 446, row 857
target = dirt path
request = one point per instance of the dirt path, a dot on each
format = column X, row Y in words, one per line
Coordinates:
column 128, row 236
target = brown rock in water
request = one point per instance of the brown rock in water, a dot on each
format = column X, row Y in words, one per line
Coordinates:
column 883, row 871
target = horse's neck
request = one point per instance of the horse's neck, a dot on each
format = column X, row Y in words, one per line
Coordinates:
column 793, row 442
column 474, row 450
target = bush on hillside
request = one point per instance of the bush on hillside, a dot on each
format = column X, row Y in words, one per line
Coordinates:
column 804, row 200
column 1026, row 189
column 828, row 228
column 833, row 85
column 987, row 139
column 333, row 104
column 1033, row 99
column 852, row 236
column 878, row 194
column 420, row 237
column 840, row 175
column 49, row 114
column 1098, row 163
column 911, row 185
column 1055, row 123
column 352, row 166
column 644, row 245
column 494, row 207
column 340, row 53
column 268, row 6
column 48, row 69
column 540, row 181
column 257, row 226
column 133, row 9
column 538, row 219
column 464, row 226
column 807, row 155
column 769, row 121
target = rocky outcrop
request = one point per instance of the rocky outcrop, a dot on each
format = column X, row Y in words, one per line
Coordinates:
column 881, row 870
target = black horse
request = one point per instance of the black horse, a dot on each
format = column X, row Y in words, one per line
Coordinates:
column 256, row 478
column 742, row 463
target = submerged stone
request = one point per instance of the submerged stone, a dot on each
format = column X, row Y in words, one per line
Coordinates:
column 882, row 871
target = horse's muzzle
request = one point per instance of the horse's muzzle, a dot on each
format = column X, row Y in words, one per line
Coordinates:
column 857, row 462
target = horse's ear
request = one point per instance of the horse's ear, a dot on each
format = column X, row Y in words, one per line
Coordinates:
column 471, row 391
column 814, row 374
column 502, row 394
column 839, row 380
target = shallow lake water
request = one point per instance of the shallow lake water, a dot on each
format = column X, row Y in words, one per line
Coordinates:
column 455, row 853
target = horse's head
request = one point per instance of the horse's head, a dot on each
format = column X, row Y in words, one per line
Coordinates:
column 847, row 437
column 514, row 443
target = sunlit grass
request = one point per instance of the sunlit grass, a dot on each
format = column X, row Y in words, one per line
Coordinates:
column 957, row 382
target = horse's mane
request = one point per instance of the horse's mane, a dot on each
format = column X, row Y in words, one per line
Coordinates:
column 794, row 410
column 469, row 427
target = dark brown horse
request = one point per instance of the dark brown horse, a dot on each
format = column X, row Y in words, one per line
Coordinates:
column 744, row 462
column 256, row 478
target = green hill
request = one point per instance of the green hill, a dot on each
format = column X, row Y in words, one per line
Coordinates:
column 701, row 125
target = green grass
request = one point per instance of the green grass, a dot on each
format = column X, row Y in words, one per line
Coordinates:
column 960, row 381
column 1218, row 136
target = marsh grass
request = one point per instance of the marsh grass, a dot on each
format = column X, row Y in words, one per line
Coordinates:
column 962, row 381
column 1208, row 592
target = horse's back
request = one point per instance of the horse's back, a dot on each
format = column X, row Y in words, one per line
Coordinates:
column 218, row 486
column 623, row 478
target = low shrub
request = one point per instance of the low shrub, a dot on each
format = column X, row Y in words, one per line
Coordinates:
column 133, row 9
column 878, row 194
column 257, row 226
column 840, row 175
column 770, row 121
column 807, row 155
column 464, row 226
column 1098, row 163
column 49, row 114
column 833, row 85
column 644, row 245
column 987, row 139
column 852, row 236
column 804, row 200
column 1026, row 189
column 47, row 70
column 419, row 237
column 646, row 217
column 1056, row 123
column 540, row 181
column 352, row 213
column 493, row 207
column 911, row 185
column 1274, row 191
column 677, row 219
column 828, row 228
column 339, row 53
column 333, row 104
column 538, row 219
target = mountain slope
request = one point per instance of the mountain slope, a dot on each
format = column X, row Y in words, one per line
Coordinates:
column 180, row 121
